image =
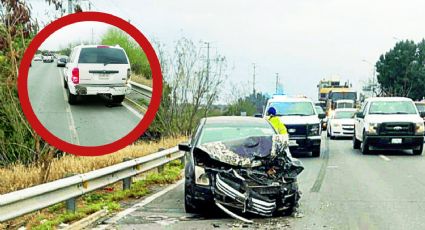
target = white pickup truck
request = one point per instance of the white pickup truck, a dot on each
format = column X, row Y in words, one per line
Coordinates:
column 388, row 123
column 97, row 70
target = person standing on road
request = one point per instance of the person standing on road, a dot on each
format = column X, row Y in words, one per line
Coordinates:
column 275, row 121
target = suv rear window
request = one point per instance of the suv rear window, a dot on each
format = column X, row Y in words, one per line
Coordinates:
column 102, row 56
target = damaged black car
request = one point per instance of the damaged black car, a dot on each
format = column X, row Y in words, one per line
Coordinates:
column 241, row 165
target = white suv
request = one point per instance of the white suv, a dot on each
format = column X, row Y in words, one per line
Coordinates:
column 388, row 123
column 301, row 120
column 97, row 70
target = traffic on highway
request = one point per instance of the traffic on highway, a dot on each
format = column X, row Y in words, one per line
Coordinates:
column 82, row 103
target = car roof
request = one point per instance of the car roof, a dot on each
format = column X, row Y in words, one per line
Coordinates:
column 234, row 120
column 95, row 46
column 284, row 98
column 388, row 99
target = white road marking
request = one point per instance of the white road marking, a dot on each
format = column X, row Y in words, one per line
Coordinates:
column 132, row 110
column 144, row 202
column 384, row 158
column 71, row 124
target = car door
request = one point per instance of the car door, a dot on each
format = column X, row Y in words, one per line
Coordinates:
column 359, row 122
column 103, row 65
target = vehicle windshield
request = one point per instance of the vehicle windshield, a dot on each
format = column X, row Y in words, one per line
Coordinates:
column 298, row 108
column 421, row 107
column 102, row 56
column 392, row 107
column 213, row 134
column 344, row 114
column 343, row 95
column 319, row 110
column 344, row 105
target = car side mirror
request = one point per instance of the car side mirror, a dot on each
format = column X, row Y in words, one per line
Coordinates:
column 422, row 114
column 185, row 147
column 258, row 115
column 359, row 115
column 321, row 115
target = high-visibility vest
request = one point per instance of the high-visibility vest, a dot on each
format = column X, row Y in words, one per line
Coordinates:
column 278, row 125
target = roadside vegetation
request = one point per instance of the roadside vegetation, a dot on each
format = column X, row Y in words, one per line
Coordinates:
column 401, row 70
column 109, row 198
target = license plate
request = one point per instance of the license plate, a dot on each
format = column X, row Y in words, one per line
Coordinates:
column 103, row 77
column 293, row 143
column 396, row 141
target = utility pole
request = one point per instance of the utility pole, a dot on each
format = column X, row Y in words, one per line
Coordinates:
column 92, row 36
column 70, row 7
column 277, row 81
column 253, row 82
column 208, row 60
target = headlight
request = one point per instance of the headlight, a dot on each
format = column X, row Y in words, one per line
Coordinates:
column 314, row 130
column 201, row 177
column 372, row 128
column 420, row 129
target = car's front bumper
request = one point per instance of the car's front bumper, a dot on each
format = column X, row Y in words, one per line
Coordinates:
column 385, row 142
column 304, row 143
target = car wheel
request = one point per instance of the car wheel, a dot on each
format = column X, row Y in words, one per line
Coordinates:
column 330, row 134
column 418, row 151
column 315, row 152
column 118, row 99
column 364, row 147
column 291, row 204
column 190, row 206
column 65, row 84
column 356, row 143
column 72, row 99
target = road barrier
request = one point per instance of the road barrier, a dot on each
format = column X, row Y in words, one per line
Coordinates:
column 31, row 199
column 144, row 91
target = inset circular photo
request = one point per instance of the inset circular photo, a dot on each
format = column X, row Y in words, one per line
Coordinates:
column 90, row 84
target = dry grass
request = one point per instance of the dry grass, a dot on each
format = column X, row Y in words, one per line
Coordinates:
column 141, row 80
column 18, row 176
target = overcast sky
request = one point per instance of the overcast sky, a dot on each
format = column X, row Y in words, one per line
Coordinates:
column 304, row 40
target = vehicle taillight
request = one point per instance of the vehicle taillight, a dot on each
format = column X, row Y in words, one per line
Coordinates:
column 75, row 76
column 102, row 46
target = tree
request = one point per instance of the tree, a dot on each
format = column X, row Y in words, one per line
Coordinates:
column 138, row 60
column 401, row 70
column 192, row 82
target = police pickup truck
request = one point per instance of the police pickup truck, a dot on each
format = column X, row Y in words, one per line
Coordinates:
column 388, row 123
column 301, row 120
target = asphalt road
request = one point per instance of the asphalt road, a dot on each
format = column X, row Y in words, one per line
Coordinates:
column 90, row 123
column 342, row 189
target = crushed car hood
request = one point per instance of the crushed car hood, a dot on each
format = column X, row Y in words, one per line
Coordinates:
column 251, row 151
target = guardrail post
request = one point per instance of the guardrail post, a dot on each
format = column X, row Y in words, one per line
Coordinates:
column 126, row 182
column 162, row 167
column 71, row 203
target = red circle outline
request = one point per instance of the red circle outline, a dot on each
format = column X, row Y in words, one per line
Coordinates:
column 90, row 150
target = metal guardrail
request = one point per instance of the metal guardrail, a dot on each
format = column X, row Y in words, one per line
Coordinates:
column 31, row 199
column 144, row 91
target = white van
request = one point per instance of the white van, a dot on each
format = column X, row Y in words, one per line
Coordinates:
column 97, row 70
column 301, row 120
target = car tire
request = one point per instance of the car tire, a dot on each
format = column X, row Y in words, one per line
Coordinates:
column 190, row 206
column 418, row 151
column 65, row 84
column 364, row 147
column 292, row 205
column 356, row 143
column 118, row 99
column 315, row 152
column 72, row 99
